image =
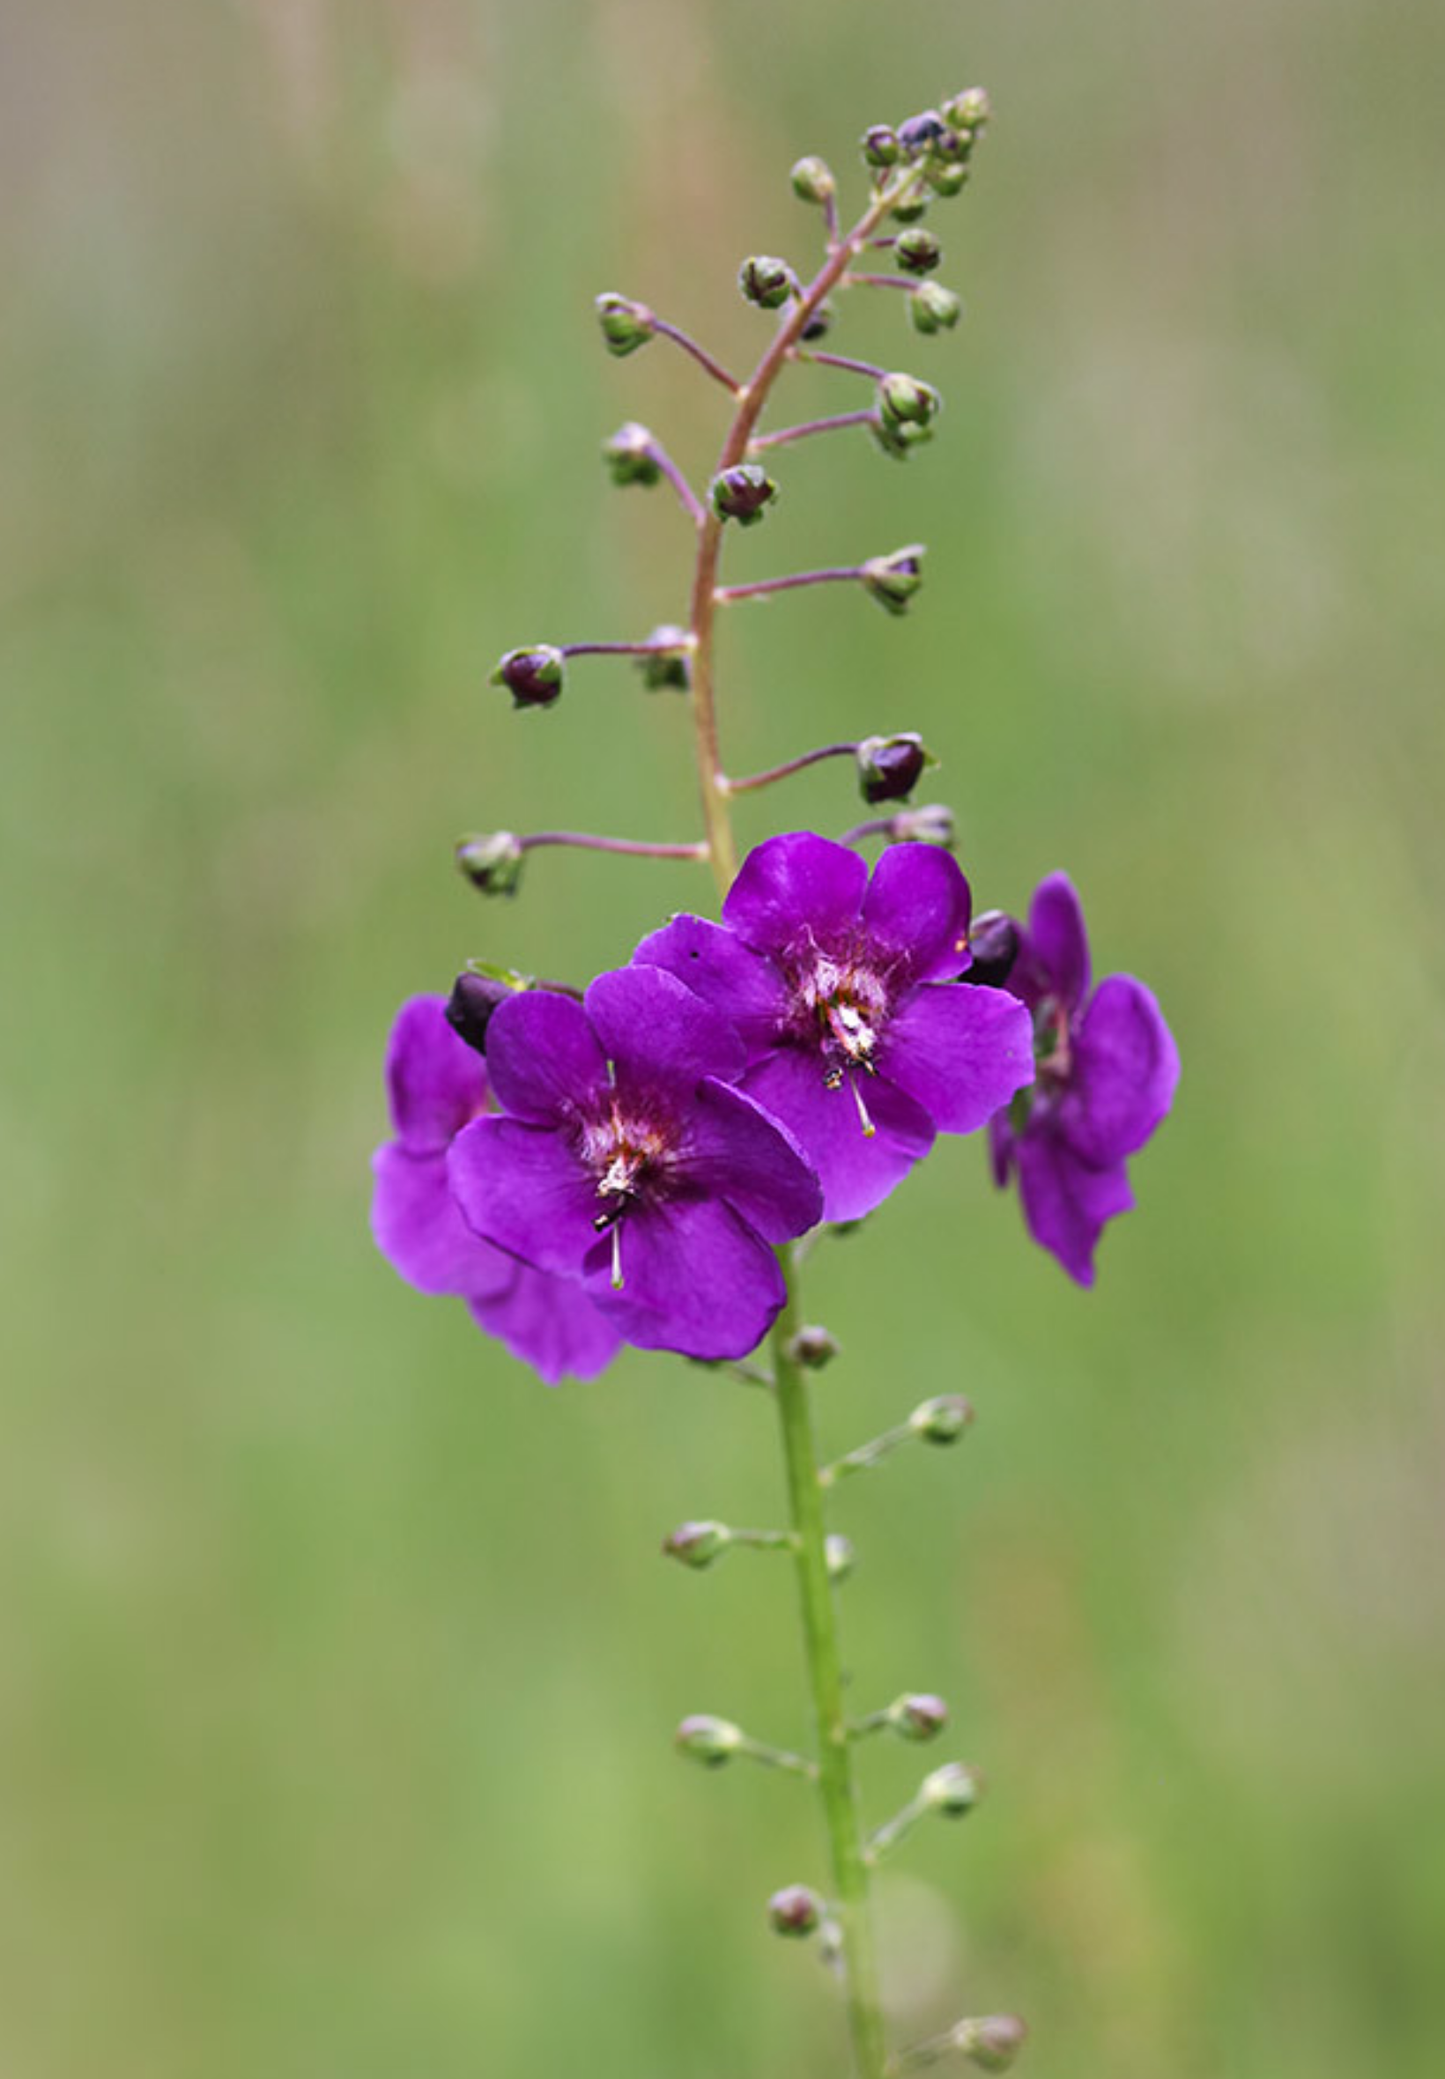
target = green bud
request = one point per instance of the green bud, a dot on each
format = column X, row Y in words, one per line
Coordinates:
column 934, row 308
column 916, row 250
column 952, row 1790
column 931, row 825
column 840, row 1556
column 742, row 493
column 629, row 456
column 969, row 110
column 626, row 325
column 910, row 207
column 893, row 579
column 668, row 670
column 881, row 146
column 712, row 1741
column 898, row 441
column 993, row 2042
column 698, row 1544
column 794, row 1911
column 948, row 179
column 533, row 676
column 905, row 400
column 812, row 1348
column 766, row 281
column 941, row 1421
column 890, row 767
column 918, row 1717
column 813, row 181
column 492, row 863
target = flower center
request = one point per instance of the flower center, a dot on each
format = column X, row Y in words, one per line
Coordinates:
column 843, row 1005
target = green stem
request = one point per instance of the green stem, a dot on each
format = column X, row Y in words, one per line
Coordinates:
column 836, row 1781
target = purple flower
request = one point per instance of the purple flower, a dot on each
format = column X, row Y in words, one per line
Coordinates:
column 1107, row 1067
column 436, row 1085
column 628, row 1160
column 839, row 986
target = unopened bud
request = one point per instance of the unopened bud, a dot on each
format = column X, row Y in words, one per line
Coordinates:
column 532, row 676
column 934, row 308
column 794, row 1911
column 993, row 940
column 712, row 1741
column 474, row 998
column 969, row 110
column 626, row 325
column 918, row 1717
column 813, row 1347
column 766, row 281
column 813, row 180
column 906, row 400
column 669, row 668
column 916, row 250
column 492, row 863
column 953, row 1790
column 933, row 824
column 629, row 456
column 840, row 1555
column 881, row 146
column 890, row 767
column 893, row 579
column 948, row 178
column 698, row 1544
column 910, row 207
column 920, row 132
column 821, row 323
column 898, row 441
column 742, row 493
column 993, row 2042
column 942, row 1420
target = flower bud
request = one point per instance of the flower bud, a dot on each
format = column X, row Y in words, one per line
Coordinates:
column 910, row 207
column 475, row 996
column 712, row 1741
column 919, row 1717
column 820, row 323
column 698, row 1544
column 840, row 1555
column 893, row 579
column 813, row 181
column 993, row 940
column 670, row 668
column 629, row 456
column 626, row 325
column 934, row 308
column 948, row 179
column 969, row 110
column 919, row 134
column 916, row 250
column 898, row 441
column 812, row 1348
column 889, row 767
column 993, row 2042
column 766, row 281
column 742, row 492
column 794, row 1911
column 933, row 824
column 881, row 146
column 905, row 400
column 943, row 1420
column 492, row 863
column 953, row 1790
column 532, row 676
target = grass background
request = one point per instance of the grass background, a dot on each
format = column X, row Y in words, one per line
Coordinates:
column 337, row 1666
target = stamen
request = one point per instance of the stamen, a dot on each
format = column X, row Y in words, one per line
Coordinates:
column 617, row 1255
column 869, row 1129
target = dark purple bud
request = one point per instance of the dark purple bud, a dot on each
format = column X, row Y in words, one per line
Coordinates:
column 698, row 1544
column 920, row 132
column 532, row 676
column 626, row 325
column 813, row 1348
column 839, row 1555
column 969, row 110
column 934, row 308
column 941, row 1420
column 742, row 493
column 993, row 2042
column 890, row 767
column 892, row 580
column 766, row 281
column 629, row 456
column 916, row 250
column 905, row 400
column 813, row 181
column 794, row 1911
column 993, row 940
column 492, row 863
column 918, row 1717
column 881, row 146
column 953, row 1790
column 712, row 1741
column 820, row 323
column 667, row 669
column 473, row 999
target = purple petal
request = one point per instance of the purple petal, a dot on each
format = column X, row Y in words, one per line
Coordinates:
column 1066, row 1202
column 543, row 1057
column 718, row 967
column 523, row 1188
column 857, row 1171
column 435, row 1082
column 736, row 1152
column 420, row 1231
column 657, row 1032
column 550, row 1324
column 961, row 1052
column 1058, row 943
column 695, row 1278
column 1124, row 1071
column 795, row 886
column 918, row 906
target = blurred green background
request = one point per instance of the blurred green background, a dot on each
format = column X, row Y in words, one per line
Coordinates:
column 338, row 1664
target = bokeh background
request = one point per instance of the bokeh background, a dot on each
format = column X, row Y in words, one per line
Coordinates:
column 338, row 1666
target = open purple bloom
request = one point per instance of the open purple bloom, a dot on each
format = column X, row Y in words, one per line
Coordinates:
column 627, row 1159
column 1107, row 1067
column 839, row 986
column 436, row 1085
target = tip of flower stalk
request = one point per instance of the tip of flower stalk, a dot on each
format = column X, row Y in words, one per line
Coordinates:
column 626, row 324
column 533, row 676
column 813, row 1347
column 917, row 1716
column 916, row 250
column 794, row 1911
column 893, row 579
column 890, row 767
column 969, row 110
column 476, row 995
column 840, row 1554
column 712, row 1741
column 952, row 1790
column 934, row 308
column 697, row 1544
column 813, row 180
column 942, row 1420
column 742, row 493
column 492, row 863
column 630, row 457
column 993, row 940
column 766, row 281
column 992, row 2042
column 667, row 668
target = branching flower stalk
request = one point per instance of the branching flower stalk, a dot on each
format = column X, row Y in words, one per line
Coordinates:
column 650, row 1160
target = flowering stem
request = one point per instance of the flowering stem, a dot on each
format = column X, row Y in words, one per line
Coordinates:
column 845, row 361
column 893, row 1830
column 783, row 772
column 617, row 649
column 836, row 1781
column 760, row 587
column 688, row 498
column 810, row 426
column 635, row 848
column 699, row 354
column 867, row 1455
column 882, row 281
